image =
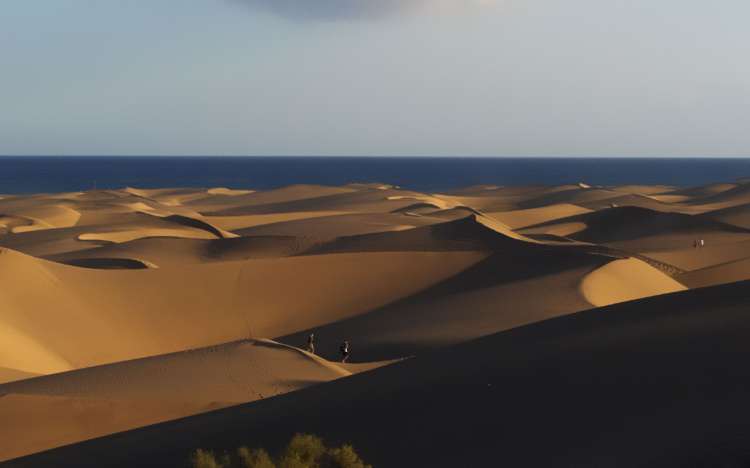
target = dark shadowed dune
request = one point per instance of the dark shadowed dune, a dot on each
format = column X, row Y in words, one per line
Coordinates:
column 656, row 382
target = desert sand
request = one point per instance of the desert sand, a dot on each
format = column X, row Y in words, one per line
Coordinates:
column 576, row 325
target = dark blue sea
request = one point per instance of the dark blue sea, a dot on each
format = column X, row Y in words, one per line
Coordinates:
column 36, row 174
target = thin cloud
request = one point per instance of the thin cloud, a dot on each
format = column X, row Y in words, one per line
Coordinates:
column 358, row 9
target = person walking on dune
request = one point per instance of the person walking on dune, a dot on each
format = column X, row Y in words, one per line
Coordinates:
column 344, row 351
column 311, row 343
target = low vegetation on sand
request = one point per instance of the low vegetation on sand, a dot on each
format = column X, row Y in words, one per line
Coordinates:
column 303, row 451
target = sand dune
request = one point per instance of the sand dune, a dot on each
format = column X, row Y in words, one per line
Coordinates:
column 44, row 217
column 736, row 215
column 155, row 311
column 737, row 195
column 626, row 280
column 689, row 258
column 110, row 224
column 494, row 199
column 10, row 375
column 182, row 196
column 101, row 400
column 500, row 293
column 232, row 223
column 233, row 372
column 133, row 234
column 529, row 217
column 736, row 270
column 9, row 223
column 44, row 422
column 175, row 225
column 245, row 204
column 339, row 225
column 554, row 381
column 352, row 201
column 469, row 233
column 575, row 196
column 124, row 308
column 651, row 202
column 701, row 191
column 173, row 252
column 640, row 229
column 176, row 197
column 496, row 294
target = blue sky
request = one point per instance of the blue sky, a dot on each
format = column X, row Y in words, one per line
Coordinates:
column 375, row 77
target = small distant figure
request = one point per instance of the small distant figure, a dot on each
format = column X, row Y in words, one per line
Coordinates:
column 695, row 243
column 311, row 343
column 702, row 243
column 344, row 351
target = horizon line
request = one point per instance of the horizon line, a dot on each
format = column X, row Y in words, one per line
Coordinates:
column 355, row 156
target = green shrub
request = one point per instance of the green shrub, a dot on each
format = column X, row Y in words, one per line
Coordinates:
column 204, row 459
column 303, row 451
column 344, row 457
column 254, row 458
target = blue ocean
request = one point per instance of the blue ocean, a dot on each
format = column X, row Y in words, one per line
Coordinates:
column 40, row 174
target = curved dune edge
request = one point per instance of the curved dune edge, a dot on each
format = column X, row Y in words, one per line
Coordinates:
column 626, row 280
column 195, row 221
column 45, row 217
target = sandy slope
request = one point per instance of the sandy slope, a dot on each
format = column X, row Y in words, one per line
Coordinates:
column 662, row 374
column 101, row 400
column 53, row 315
